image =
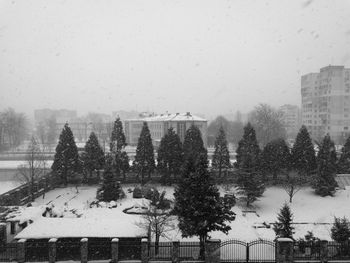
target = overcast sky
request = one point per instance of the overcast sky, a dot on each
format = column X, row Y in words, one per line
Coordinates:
column 207, row 57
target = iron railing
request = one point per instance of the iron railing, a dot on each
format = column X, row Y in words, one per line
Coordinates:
column 189, row 251
column 99, row 249
column 36, row 250
column 160, row 251
column 8, row 252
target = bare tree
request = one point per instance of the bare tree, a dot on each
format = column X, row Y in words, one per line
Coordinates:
column 158, row 222
column 33, row 168
column 14, row 127
column 292, row 184
column 268, row 123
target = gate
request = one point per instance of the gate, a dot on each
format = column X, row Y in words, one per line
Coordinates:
column 238, row 251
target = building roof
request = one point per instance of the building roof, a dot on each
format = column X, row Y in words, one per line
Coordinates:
column 81, row 228
column 172, row 117
column 343, row 180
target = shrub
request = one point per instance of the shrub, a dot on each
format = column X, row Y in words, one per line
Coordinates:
column 340, row 230
column 137, row 193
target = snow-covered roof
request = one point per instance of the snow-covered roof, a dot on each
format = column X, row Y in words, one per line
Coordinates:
column 343, row 180
column 171, row 117
column 81, row 228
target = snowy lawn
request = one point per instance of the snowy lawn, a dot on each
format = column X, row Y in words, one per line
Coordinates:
column 311, row 213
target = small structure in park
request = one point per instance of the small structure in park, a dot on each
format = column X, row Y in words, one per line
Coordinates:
column 70, row 231
column 343, row 181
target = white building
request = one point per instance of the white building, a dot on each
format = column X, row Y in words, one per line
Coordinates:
column 159, row 125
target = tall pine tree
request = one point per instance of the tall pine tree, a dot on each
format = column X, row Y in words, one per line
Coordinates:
column 344, row 160
column 144, row 159
column 198, row 204
column 247, row 154
column 283, row 227
column 303, row 154
column 324, row 182
column 118, row 141
column 93, row 156
column 249, row 181
column 66, row 160
column 193, row 145
column 221, row 157
column 275, row 158
column 169, row 159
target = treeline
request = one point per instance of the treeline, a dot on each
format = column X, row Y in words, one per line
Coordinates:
column 13, row 129
column 266, row 120
column 291, row 167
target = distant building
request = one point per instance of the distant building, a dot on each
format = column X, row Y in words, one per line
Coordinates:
column 325, row 98
column 291, row 119
column 160, row 124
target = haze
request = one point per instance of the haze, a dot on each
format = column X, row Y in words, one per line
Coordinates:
column 209, row 57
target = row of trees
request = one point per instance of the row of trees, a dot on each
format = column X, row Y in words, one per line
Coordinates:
column 300, row 164
column 13, row 129
column 266, row 120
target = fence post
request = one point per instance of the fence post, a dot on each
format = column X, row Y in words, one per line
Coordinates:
column 115, row 249
column 144, row 250
column 84, row 250
column 284, row 250
column 3, row 233
column 323, row 251
column 176, row 252
column 21, row 250
column 212, row 251
column 52, row 250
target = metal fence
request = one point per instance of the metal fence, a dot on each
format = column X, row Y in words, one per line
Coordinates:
column 160, row 251
column 129, row 249
column 307, row 250
column 338, row 251
column 8, row 252
column 189, row 250
column 239, row 251
column 67, row 249
column 37, row 250
column 99, row 249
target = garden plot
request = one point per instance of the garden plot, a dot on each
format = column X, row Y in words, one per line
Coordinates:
column 311, row 212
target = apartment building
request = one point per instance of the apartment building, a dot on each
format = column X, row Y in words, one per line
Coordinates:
column 325, row 98
column 291, row 119
column 160, row 124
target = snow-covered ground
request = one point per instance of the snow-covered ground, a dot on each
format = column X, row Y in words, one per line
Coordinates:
column 311, row 213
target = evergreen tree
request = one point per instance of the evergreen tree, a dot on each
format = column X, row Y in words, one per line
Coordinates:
column 117, row 147
column 344, row 160
column 248, row 151
column 169, row 159
column 275, row 158
column 250, row 187
column 283, row 227
column 303, row 153
column 144, row 158
column 118, row 141
column 66, row 160
column 221, row 157
column 340, row 230
column 122, row 162
column 198, row 204
column 193, row 145
column 324, row 182
column 111, row 189
column 93, row 157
